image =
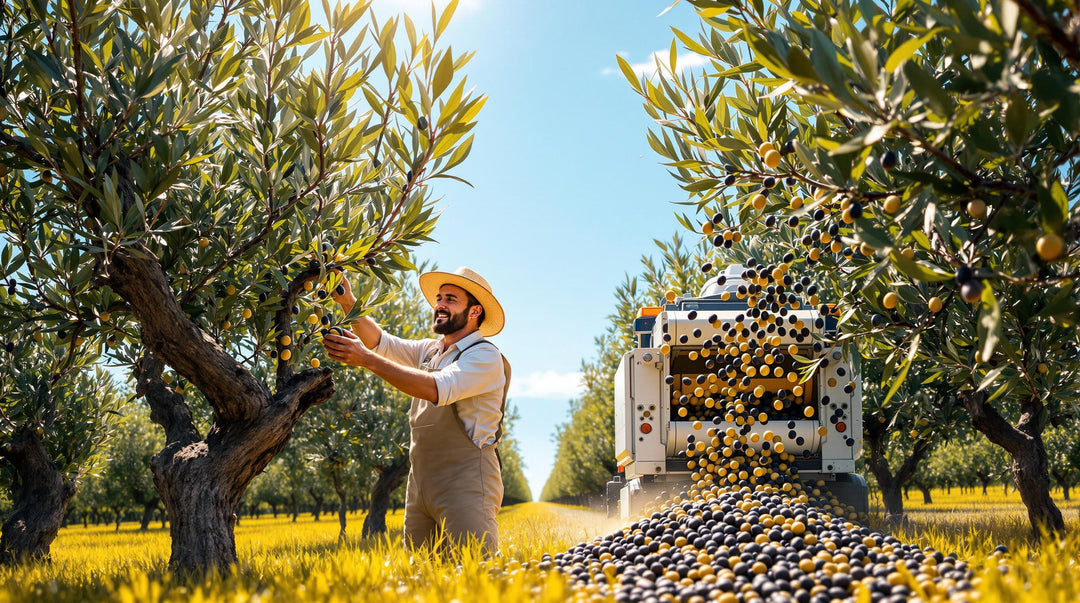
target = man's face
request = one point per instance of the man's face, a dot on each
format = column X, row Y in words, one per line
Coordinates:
column 451, row 310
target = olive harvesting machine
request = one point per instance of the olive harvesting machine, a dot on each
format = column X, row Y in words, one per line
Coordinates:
column 664, row 392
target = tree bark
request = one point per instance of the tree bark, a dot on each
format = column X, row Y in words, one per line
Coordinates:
column 39, row 495
column 147, row 516
column 316, row 510
column 893, row 498
column 1023, row 442
column 926, row 497
column 201, row 481
column 890, row 484
column 390, row 478
column 295, row 506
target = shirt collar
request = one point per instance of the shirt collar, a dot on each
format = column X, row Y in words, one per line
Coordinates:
column 466, row 341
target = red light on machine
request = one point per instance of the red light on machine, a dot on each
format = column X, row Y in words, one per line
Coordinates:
column 841, row 427
column 621, row 469
column 649, row 311
column 646, row 428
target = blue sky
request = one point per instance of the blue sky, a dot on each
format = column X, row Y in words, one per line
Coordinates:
column 567, row 193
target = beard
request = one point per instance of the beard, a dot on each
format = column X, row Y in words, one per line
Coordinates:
column 454, row 323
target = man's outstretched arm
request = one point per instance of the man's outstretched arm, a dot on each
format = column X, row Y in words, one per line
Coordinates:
column 349, row 349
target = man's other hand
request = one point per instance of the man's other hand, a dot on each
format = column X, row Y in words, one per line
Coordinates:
column 347, row 349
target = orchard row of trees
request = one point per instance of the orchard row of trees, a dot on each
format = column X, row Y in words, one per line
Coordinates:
column 348, row 454
column 180, row 184
column 338, row 463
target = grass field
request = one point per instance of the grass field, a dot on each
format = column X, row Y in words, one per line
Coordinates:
column 971, row 524
column 303, row 561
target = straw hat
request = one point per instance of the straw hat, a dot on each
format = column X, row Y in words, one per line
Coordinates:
column 469, row 280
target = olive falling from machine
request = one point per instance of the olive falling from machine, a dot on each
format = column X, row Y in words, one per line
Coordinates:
column 726, row 367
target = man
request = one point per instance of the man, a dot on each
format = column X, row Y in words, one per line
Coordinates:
column 458, row 383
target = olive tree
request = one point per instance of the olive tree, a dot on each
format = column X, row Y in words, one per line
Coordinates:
column 332, row 445
column 375, row 416
column 922, row 157
column 902, row 433
column 203, row 165
column 55, row 415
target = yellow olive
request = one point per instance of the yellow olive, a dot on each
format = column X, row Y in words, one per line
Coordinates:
column 1050, row 246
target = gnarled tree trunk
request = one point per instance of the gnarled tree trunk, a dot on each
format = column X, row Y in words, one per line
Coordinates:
column 201, row 480
column 390, row 478
column 40, row 495
column 1023, row 442
column 891, row 484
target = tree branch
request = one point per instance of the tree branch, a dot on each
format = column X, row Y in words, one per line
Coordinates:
column 1066, row 44
column 233, row 392
column 911, row 463
column 305, row 389
column 283, row 322
column 23, row 149
column 167, row 408
column 988, row 421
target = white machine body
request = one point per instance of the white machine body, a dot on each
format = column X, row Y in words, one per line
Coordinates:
column 648, row 437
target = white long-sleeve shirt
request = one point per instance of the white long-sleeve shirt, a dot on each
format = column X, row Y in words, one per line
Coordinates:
column 475, row 382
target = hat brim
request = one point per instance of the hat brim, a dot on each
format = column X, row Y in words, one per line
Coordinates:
column 494, row 319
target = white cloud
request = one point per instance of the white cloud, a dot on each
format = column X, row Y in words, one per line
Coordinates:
column 546, row 384
column 687, row 60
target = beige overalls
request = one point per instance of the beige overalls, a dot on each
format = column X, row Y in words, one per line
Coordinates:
column 452, row 482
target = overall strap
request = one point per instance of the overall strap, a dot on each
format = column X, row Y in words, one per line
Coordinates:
column 506, row 387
